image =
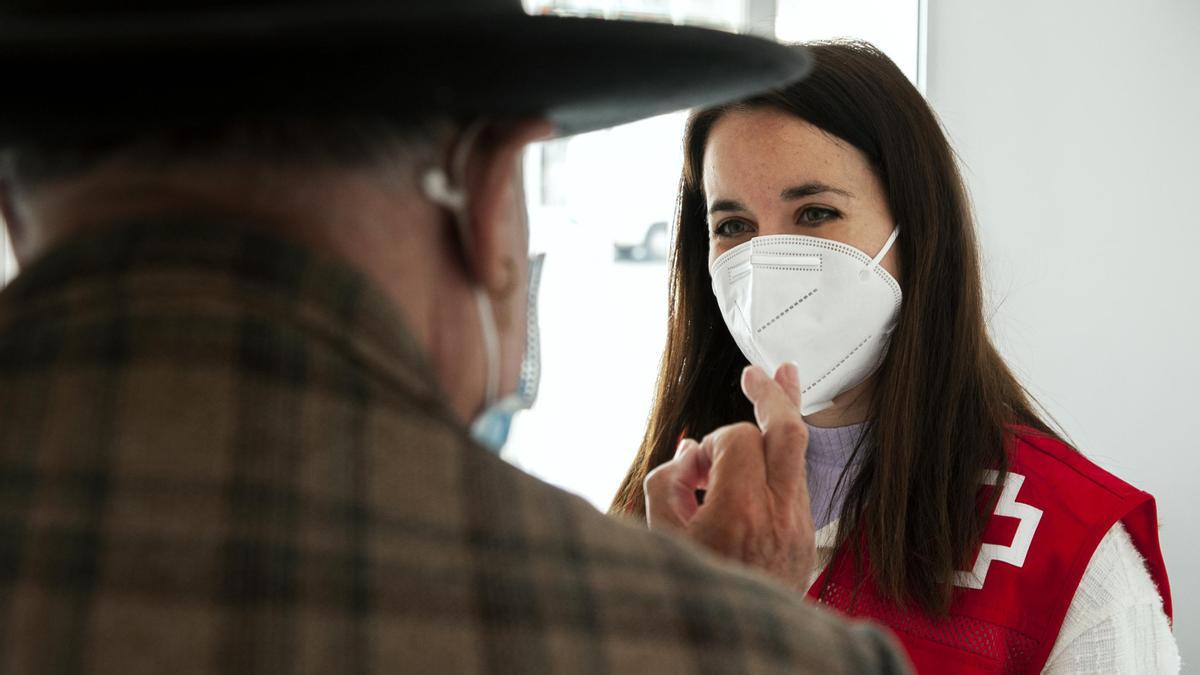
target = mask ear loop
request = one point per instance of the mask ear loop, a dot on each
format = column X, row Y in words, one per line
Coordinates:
column 448, row 191
column 866, row 273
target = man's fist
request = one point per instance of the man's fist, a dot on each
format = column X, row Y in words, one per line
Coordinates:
column 756, row 508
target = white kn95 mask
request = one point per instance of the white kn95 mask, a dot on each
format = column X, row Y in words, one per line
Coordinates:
column 825, row 305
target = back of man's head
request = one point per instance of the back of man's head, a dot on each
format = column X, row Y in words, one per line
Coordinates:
column 350, row 187
column 266, row 148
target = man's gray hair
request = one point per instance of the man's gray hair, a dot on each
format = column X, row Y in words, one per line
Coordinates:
column 305, row 142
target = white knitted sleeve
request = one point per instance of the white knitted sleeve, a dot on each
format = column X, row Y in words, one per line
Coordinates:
column 1116, row 622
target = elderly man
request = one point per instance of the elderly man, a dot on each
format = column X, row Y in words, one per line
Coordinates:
column 273, row 271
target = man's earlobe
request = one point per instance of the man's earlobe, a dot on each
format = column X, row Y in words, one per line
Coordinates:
column 508, row 284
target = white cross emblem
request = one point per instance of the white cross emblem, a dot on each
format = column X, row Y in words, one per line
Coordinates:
column 1013, row 554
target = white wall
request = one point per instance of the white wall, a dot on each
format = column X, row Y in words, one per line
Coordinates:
column 1078, row 125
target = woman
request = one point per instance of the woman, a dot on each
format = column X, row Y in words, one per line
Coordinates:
column 826, row 224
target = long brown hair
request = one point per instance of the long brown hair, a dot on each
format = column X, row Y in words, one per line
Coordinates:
column 943, row 400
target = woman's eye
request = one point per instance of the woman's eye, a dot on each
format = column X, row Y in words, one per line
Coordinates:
column 812, row 215
column 732, row 228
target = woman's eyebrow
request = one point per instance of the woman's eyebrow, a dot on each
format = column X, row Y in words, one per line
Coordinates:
column 789, row 194
column 726, row 205
column 809, row 189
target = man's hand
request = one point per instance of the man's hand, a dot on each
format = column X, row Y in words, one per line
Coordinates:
column 756, row 507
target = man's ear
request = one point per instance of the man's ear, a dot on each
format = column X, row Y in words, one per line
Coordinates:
column 497, row 209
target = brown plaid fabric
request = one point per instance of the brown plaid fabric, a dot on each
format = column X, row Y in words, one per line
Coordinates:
column 221, row 454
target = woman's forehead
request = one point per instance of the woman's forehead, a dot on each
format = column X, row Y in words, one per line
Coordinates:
column 767, row 149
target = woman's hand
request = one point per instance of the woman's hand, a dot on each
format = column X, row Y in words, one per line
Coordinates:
column 756, row 507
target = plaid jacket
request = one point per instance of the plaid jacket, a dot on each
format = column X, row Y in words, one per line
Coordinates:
column 221, row 454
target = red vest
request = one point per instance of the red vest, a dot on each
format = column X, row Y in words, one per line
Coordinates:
column 1007, row 611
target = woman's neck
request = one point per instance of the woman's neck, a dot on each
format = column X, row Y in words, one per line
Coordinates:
column 852, row 406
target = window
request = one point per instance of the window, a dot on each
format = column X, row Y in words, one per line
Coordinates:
column 601, row 205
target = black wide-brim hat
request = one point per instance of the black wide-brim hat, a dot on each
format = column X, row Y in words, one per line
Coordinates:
column 92, row 66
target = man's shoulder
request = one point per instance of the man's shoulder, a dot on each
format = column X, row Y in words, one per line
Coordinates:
column 644, row 599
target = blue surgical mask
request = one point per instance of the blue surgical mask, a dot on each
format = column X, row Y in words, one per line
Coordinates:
column 491, row 427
